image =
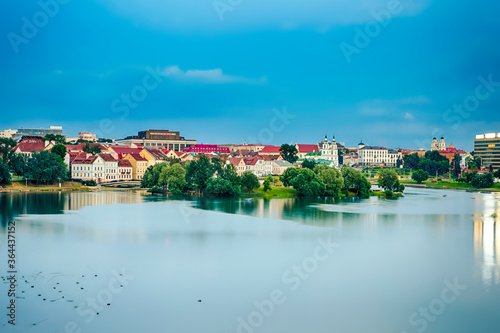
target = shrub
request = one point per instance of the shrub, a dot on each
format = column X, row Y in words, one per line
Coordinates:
column 419, row 176
column 483, row 181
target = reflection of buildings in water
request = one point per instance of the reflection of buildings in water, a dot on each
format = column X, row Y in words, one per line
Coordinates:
column 487, row 239
column 82, row 199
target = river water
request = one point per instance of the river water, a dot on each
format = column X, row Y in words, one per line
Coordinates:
column 128, row 262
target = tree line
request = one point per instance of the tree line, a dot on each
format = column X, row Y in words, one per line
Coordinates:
column 204, row 175
column 433, row 163
column 41, row 168
column 214, row 177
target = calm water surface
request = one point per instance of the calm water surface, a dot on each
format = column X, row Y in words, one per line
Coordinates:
column 428, row 262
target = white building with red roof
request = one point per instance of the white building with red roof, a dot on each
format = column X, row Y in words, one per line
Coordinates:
column 239, row 164
column 90, row 168
column 270, row 150
column 304, row 149
column 110, row 167
column 124, row 170
column 32, row 144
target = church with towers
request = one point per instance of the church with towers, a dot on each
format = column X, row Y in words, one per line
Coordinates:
column 329, row 150
column 440, row 147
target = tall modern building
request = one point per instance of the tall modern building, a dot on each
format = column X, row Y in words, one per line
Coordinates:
column 487, row 146
column 158, row 139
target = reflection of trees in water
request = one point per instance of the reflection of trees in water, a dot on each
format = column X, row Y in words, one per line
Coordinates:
column 299, row 209
column 230, row 206
column 14, row 204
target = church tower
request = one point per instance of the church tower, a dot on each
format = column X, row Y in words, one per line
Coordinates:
column 434, row 144
column 442, row 144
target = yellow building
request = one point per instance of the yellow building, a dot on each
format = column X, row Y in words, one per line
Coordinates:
column 153, row 156
column 139, row 165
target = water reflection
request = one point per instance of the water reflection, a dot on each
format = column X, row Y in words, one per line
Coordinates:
column 487, row 239
column 366, row 217
column 15, row 204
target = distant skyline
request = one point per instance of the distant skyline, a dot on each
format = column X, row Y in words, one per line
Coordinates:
column 394, row 73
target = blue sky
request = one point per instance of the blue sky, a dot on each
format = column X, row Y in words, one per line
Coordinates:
column 221, row 69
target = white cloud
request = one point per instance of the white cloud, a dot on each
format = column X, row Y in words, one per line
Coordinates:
column 193, row 15
column 212, row 76
column 398, row 107
column 409, row 116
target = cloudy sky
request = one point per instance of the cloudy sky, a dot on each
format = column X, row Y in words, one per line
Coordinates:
column 392, row 73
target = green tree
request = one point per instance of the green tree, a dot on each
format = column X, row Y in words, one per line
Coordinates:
column 152, row 175
column 230, row 173
column 218, row 166
column 46, row 168
column 92, row 149
column 388, row 180
column 172, row 160
column 222, row 187
column 60, row 150
column 342, row 151
column 267, row 184
column 411, row 161
column 309, row 163
column 289, row 152
column 469, row 176
column 483, row 181
column 355, row 181
column 18, row 164
column 457, row 159
column 198, row 172
column 288, row 175
column 57, row 138
column 105, row 140
column 173, row 178
column 249, row 181
column 6, row 145
column 307, row 183
column 419, row 176
column 332, row 178
column 4, row 173
column 497, row 173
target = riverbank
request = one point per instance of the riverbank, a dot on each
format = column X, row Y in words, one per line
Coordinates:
column 65, row 187
column 451, row 185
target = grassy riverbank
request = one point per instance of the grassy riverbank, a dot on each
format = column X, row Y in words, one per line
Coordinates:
column 276, row 192
column 66, row 186
column 450, row 185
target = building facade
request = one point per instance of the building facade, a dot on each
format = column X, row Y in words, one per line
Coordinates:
column 372, row 156
column 139, row 165
column 8, row 133
column 124, row 170
column 56, row 130
column 158, row 139
column 90, row 168
column 87, row 136
column 205, row 149
column 110, row 167
column 487, row 146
